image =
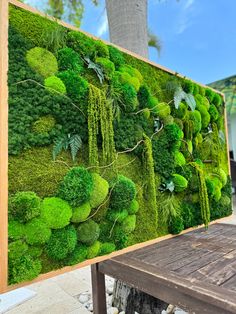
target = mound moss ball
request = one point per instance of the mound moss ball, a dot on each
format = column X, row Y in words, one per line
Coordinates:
column 56, row 213
column 99, row 192
column 77, row 186
column 42, row 61
column 81, row 213
column 88, row 232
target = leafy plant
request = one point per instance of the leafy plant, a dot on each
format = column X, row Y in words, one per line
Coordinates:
column 96, row 67
column 181, row 95
column 72, row 142
column 168, row 208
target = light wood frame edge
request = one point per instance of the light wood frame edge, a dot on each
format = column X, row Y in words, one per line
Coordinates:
column 3, row 145
column 4, row 154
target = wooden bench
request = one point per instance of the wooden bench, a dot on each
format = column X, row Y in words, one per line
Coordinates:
column 195, row 271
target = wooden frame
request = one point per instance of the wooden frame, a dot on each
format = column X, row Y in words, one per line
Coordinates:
column 4, row 4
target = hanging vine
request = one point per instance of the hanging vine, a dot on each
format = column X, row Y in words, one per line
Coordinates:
column 203, row 195
column 150, row 185
column 100, row 117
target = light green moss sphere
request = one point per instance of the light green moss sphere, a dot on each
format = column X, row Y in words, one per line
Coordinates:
column 81, row 213
column 99, row 192
column 93, row 250
column 55, row 85
column 42, row 61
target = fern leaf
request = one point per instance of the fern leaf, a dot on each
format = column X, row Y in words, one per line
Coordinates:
column 190, row 101
column 57, row 148
column 96, row 67
column 75, row 143
column 179, row 96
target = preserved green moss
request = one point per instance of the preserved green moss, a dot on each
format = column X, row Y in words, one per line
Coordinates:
column 81, row 213
column 129, row 224
column 37, row 232
column 24, row 206
column 42, row 61
column 179, row 159
column 68, row 59
column 55, row 212
column 78, row 255
column 93, row 250
column 116, row 56
column 117, row 215
column 88, row 232
column 44, row 124
column 107, row 248
column 133, row 208
column 76, row 187
column 180, row 182
column 55, row 85
column 107, row 66
column 61, row 243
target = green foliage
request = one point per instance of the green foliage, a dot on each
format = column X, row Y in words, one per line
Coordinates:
column 168, row 208
column 42, row 61
column 133, row 72
column 55, row 212
column 37, row 232
column 223, row 176
column 17, row 249
column 94, row 249
column 16, row 230
column 205, row 116
column 68, row 59
column 181, row 95
column 213, row 113
column 149, row 179
column 123, row 192
column 88, row 232
column 162, row 110
column 55, row 85
column 81, row 43
column 179, row 159
column 97, row 68
column 129, row 97
column 176, row 225
column 76, row 186
column 107, row 66
column 144, row 96
column 209, row 94
column 39, row 30
column 203, row 195
column 217, row 100
column 188, row 86
column 195, row 117
column 180, row 182
column 125, row 77
column 116, row 56
column 76, row 86
column 102, row 49
column 24, row 268
column 129, row 223
column 24, row 206
column 133, row 208
column 72, row 142
column 164, row 147
column 117, row 215
column 78, row 255
column 107, row 248
column 99, row 192
column 61, row 243
column 44, row 124
column 81, row 213
column 181, row 111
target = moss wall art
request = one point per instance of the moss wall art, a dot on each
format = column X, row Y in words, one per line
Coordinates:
column 105, row 150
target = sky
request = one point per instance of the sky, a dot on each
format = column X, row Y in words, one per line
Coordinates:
column 198, row 36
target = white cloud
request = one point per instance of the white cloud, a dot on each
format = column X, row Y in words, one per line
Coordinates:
column 185, row 16
column 103, row 27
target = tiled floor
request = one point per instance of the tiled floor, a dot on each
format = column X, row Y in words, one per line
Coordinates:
column 59, row 295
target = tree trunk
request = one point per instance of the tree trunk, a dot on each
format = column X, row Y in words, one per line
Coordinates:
column 130, row 300
column 127, row 21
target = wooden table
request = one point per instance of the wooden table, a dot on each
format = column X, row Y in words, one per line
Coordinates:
column 195, row 271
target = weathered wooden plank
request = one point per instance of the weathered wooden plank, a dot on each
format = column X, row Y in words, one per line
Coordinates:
column 192, row 296
column 218, row 271
column 230, row 284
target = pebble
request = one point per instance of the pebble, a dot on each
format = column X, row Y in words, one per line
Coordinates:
column 112, row 310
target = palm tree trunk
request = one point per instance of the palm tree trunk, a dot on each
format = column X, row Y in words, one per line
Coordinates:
column 127, row 21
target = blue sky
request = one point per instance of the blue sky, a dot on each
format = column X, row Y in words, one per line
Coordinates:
column 198, row 36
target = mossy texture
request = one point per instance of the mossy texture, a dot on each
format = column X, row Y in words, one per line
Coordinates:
column 145, row 166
